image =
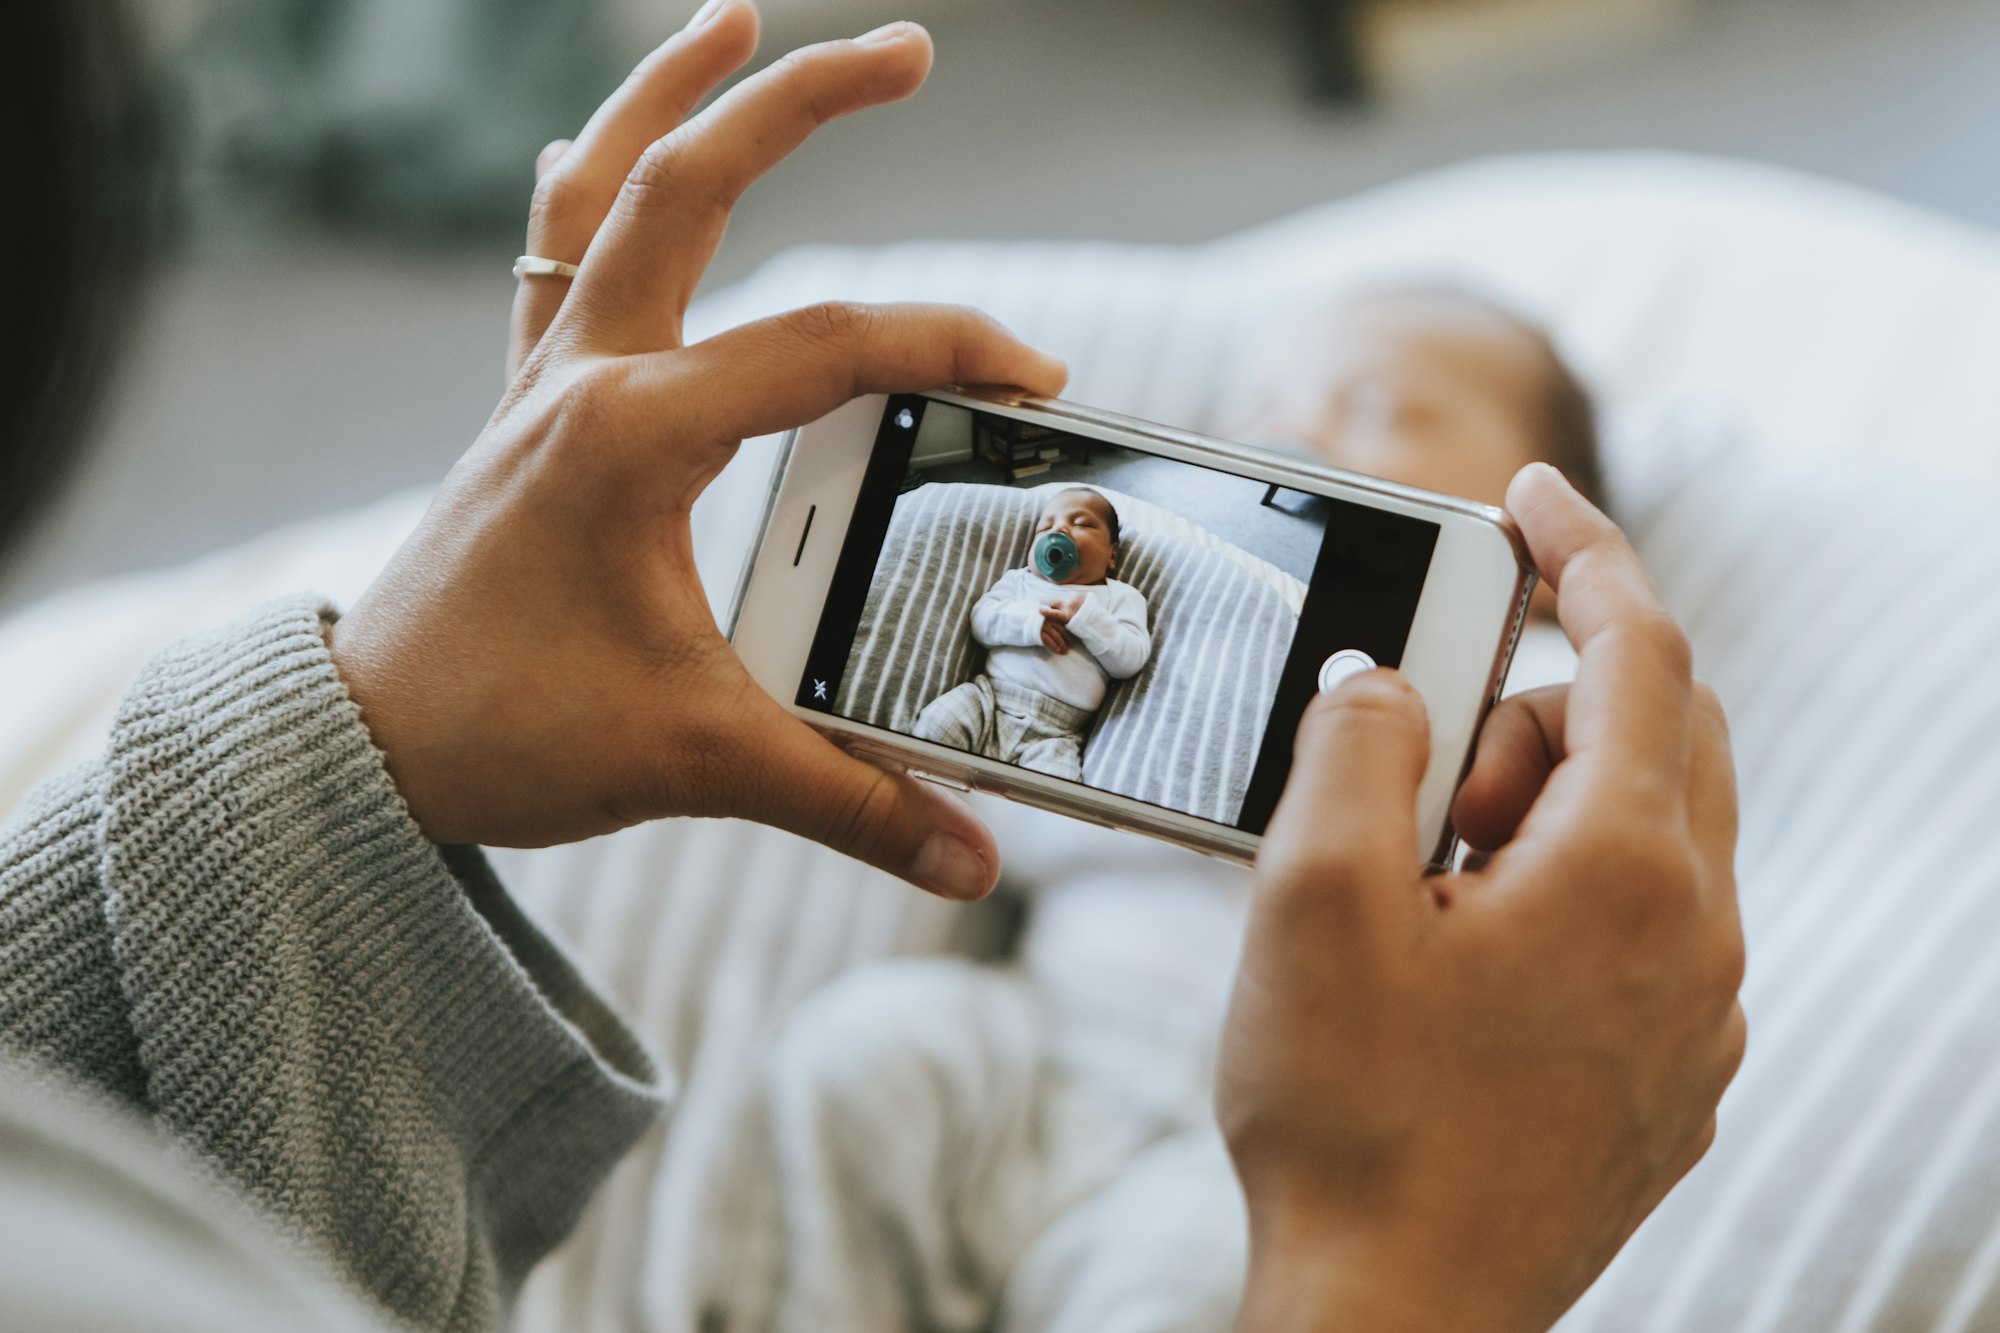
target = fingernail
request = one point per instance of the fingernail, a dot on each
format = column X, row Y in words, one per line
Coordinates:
column 707, row 12
column 888, row 32
column 949, row 866
column 1554, row 474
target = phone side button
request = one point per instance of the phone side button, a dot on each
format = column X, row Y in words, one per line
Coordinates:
column 939, row 780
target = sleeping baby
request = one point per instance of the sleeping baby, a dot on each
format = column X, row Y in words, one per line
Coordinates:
column 1053, row 641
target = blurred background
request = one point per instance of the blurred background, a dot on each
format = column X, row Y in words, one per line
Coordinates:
column 351, row 176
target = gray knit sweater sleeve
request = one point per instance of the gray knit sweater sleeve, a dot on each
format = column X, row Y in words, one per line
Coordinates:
column 231, row 923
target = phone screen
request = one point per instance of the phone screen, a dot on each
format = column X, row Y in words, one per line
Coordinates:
column 1141, row 625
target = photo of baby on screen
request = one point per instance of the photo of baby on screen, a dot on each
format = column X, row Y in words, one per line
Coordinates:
column 1082, row 610
column 1055, row 632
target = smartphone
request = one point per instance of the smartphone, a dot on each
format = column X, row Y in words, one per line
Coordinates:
column 1114, row 620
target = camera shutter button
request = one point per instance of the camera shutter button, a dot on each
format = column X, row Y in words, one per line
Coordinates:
column 1347, row 662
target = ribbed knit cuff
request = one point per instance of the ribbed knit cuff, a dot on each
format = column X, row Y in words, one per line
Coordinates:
column 321, row 1003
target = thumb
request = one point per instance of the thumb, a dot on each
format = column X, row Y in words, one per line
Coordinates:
column 772, row 374
column 910, row 828
column 1346, row 829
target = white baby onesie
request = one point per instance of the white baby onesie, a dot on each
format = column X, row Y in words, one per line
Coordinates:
column 1112, row 640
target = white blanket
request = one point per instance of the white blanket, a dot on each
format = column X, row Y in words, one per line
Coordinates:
column 1026, row 1147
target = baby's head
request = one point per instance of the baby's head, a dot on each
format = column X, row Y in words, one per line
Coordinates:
column 1088, row 519
column 1435, row 387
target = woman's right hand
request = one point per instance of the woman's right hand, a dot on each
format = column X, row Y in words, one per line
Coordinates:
column 1452, row 1099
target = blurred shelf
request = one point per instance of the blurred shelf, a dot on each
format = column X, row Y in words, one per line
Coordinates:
column 1404, row 51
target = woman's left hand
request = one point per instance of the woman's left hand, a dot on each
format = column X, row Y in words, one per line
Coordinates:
column 539, row 661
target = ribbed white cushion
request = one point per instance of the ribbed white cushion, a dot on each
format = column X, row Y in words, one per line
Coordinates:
column 1847, row 616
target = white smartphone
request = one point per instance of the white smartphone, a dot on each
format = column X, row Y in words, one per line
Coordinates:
column 1115, row 620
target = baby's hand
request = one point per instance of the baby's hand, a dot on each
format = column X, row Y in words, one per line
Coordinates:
column 1054, row 637
column 1060, row 606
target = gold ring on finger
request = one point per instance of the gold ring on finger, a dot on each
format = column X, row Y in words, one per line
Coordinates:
column 534, row 266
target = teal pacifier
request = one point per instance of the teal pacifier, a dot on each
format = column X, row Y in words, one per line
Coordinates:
column 1054, row 555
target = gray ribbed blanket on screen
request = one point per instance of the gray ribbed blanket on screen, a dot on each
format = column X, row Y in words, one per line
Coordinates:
column 1183, row 733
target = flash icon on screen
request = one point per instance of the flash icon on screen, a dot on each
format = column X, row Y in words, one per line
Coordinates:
column 906, row 418
column 819, row 689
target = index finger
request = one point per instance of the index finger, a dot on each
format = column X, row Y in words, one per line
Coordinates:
column 652, row 102
column 669, row 217
column 1628, row 726
column 575, row 189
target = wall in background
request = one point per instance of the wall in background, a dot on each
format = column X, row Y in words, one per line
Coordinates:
column 315, row 365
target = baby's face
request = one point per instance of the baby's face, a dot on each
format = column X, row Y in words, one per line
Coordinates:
column 1417, row 387
column 1084, row 517
column 1421, row 387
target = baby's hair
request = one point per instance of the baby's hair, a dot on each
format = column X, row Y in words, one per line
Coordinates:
column 1570, row 418
column 1111, row 509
